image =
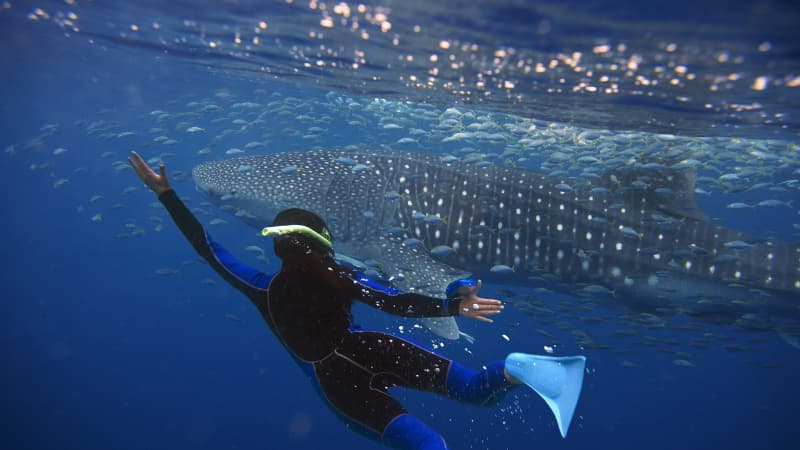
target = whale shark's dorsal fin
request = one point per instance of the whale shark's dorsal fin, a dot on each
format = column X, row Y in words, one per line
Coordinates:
column 670, row 189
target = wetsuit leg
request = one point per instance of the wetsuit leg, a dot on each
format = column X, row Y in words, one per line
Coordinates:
column 396, row 361
column 485, row 387
column 408, row 432
column 349, row 388
column 368, row 408
column 355, row 379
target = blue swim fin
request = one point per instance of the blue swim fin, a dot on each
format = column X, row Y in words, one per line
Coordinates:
column 557, row 379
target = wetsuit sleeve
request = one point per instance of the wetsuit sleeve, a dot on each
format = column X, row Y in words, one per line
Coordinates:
column 250, row 281
column 394, row 301
column 450, row 292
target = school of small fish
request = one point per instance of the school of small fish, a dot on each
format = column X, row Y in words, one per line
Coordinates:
column 743, row 177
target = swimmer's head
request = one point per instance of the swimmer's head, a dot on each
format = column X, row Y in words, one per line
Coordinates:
column 288, row 243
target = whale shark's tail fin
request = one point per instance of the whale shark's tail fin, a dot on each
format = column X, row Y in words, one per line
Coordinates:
column 558, row 380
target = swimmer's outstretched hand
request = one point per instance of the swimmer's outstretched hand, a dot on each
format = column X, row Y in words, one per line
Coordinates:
column 158, row 183
column 476, row 307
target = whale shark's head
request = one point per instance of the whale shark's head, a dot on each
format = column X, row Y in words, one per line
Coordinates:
column 256, row 188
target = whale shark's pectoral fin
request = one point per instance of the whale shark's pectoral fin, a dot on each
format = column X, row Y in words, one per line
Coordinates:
column 790, row 337
column 445, row 327
column 411, row 268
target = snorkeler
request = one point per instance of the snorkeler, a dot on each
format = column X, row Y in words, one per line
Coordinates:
column 307, row 304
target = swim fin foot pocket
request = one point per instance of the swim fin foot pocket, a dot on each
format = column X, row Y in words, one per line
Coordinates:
column 557, row 379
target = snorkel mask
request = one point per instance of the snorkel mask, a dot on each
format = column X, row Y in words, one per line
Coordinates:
column 280, row 230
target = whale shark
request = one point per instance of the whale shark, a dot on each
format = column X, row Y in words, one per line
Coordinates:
column 633, row 234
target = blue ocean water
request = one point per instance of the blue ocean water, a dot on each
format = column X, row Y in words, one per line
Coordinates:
column 115, row 335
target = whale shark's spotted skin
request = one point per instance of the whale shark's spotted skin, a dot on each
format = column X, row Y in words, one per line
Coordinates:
column 634, row 229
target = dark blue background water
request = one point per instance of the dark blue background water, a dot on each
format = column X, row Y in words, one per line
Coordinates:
column 100, row 352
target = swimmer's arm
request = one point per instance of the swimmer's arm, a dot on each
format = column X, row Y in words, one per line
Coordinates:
column 247, row 279
column 471, row 305
column 407, row 304
column 241, row 276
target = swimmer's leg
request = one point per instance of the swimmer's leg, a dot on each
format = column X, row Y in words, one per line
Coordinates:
column 397, row 361
column 485, row 387
column 408, row 432
column 360, row 397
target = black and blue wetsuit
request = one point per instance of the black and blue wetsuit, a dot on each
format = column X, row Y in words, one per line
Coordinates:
column 353, row 369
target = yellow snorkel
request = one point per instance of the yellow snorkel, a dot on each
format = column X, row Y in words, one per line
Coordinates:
column 300, row 229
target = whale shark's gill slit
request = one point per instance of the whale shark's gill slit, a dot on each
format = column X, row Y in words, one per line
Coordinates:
column 450, row 193
column 371, row 187
column 337, row 202
column 383, row 215
column 350, row 222
column 419, row 231
column 328, row 206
